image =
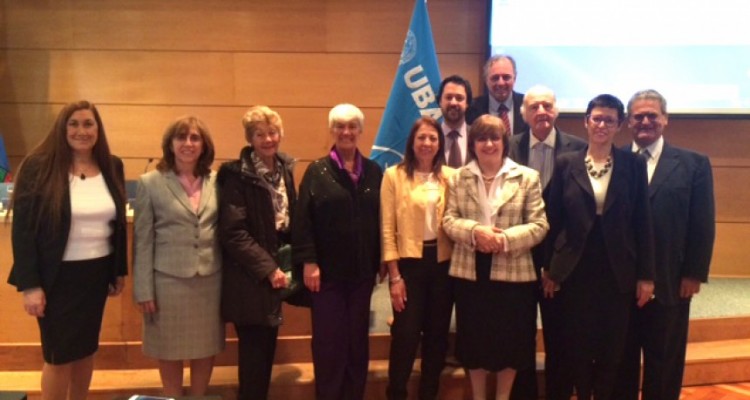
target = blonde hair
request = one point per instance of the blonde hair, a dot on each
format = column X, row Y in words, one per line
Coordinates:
column 257, row 115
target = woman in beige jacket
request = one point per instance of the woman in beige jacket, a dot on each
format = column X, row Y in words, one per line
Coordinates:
column 495, row 215
column 417, row 253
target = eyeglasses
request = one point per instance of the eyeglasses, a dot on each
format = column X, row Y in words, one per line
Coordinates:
column 608, row 122
column 641, row 117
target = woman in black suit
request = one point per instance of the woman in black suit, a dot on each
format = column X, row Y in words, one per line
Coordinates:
column 599, row 251
column 69, row 244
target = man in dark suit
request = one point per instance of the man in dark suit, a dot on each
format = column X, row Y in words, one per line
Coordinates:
column 454, row 98
column 537, row 148
column 501, row 101
column 682, row 202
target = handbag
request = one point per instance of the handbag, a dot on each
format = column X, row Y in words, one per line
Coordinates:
column 295, row 292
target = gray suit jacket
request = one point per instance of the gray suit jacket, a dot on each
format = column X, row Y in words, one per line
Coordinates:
column 169, row 236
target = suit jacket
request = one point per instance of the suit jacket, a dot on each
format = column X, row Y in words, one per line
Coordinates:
column 682, row 203
column 519, row 152
column 521, row 217
column 625, row 221
column 481, row 106
column 37, row 255
column 169, row 236
column 402, row 211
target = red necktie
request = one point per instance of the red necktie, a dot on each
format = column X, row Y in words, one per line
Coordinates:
column 454, row 154
column 502, row 112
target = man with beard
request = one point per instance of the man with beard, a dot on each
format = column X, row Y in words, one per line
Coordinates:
column 682, row 203
column 537, row 148
column 455, row 98
column 500, row 77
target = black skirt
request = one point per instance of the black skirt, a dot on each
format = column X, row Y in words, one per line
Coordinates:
column 495, row 321
column 73, row 314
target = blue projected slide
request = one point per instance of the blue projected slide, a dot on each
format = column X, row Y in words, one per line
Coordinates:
column 697, row 54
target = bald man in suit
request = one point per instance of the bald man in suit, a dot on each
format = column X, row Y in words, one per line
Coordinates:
column 537, row 148
column 682, row 202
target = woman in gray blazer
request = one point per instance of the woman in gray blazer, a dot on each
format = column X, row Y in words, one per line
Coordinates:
column 177, row 279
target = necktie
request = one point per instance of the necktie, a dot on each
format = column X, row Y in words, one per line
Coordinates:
column 502, row 112
column 454, row 154
column 538, row 161
column 651, row 166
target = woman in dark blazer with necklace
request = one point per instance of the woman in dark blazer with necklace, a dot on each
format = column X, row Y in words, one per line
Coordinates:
column 599, row 252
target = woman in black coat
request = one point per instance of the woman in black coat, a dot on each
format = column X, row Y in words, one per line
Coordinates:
column 337, row 238
column 256, row 195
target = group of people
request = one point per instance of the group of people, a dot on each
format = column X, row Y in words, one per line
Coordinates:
column 494, row 209
column 611, row 243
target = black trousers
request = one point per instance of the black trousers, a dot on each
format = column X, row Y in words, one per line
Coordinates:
column 661, row 332
column 426, row 318
column 596, row 318
column 557, row 387
column 257, row 347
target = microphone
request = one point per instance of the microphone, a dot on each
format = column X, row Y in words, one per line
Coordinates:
column 150, row 160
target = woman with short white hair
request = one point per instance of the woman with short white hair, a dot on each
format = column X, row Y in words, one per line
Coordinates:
column 336, row 235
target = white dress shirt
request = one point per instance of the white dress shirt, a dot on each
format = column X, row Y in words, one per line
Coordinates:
column 463, row 140
column 652, row 154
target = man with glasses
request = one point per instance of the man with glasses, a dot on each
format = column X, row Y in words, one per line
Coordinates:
column 682, row 203
column 501, row 101
column 537, row 148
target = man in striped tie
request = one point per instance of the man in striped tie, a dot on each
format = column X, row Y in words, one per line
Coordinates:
column 501, row 100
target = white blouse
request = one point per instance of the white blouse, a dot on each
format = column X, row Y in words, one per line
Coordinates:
column 91, row 208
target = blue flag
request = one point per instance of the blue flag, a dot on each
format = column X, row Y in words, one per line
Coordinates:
column 4, row 164
column 414, row 90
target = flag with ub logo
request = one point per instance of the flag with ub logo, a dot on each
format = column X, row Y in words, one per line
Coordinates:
column 4, row 164
column 414, row 90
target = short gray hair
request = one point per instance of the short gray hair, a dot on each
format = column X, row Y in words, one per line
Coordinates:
column 648, row 94
column 494, row 59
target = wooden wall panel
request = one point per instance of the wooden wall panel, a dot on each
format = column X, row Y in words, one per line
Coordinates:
column 290, row 26
column 167, row 25
column 732, row 194
column 731, row 250
column 133, row 77
column 208, row 79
